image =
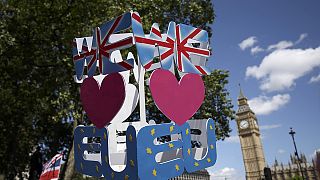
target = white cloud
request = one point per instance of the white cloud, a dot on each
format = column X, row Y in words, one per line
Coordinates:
column 271, row 126
column 232, row 139
column 247, row 43
column 286, row 44
column 279, row 70
column 225, row 173
column 281, row 151
column 314, row 79
column 280, row 45
column 251, row 41
column 264, row 105
column 301, row 38
column 256, row 50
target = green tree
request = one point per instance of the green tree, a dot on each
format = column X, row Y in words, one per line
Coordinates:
column 217, row 104
column 37, row 94
column 297, row 178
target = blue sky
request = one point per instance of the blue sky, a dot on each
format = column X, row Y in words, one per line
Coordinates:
column 273, row 49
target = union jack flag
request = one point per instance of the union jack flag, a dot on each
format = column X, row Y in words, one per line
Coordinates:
column 102, row 48
column 184, row 49
column 51, row 169
column 175, row 46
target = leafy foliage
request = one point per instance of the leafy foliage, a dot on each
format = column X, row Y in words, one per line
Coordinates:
column 39, row 99
column 217, row 104
column 297, row 178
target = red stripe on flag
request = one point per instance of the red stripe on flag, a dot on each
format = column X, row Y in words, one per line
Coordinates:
column 179, row 48
column 99, row 46
column 178, row 34
column 111, row 47
column 190, row 36
column 77, row 57
column 147, row 66
column 136, row 17
column 201, row 70
column 92, row 60
column 179, row 61
column 81, row 56
column 143, row 40
column 169, row 40
column 166, row 54
column 50, row 175
column 125, row 65
column 111, row 31
column 185, row 54
column 156, row 32
column 197, row 50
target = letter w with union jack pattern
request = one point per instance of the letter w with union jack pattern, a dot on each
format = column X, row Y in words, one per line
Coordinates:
column 102, row 47
column 177, row 45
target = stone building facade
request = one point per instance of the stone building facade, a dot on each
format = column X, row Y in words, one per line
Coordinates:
column 250, row 141
column 253, row 155
column 289, row 171
column 198, row 175
column 317, row 161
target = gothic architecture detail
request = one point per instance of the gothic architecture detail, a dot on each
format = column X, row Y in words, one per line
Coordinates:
column 317, row 161
column 291, row 170
column 253, row 155
column 198, row 175
column 250, row 140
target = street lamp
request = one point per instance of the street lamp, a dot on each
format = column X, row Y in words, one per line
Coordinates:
column 292, row 133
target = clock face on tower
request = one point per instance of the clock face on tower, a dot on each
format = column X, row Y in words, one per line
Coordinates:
column 244, row 124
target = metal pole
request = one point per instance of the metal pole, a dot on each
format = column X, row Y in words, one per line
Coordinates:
column 292, row 133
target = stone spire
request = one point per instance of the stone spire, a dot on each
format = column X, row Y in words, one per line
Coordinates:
column 276, row 162
column 293, row 160
column 241, row 96
column 303, row 157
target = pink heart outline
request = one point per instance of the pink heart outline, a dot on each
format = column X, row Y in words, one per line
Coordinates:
column 179, row 101
column 102, row 103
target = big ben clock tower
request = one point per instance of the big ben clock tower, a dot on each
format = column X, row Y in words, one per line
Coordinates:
column 249, row 134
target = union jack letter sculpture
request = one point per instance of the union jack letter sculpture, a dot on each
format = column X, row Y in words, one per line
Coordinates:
column 144, row 156
column 183, row 45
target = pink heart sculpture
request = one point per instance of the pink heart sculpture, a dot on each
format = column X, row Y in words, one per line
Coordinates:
column 102, row 104
column 177, row 100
